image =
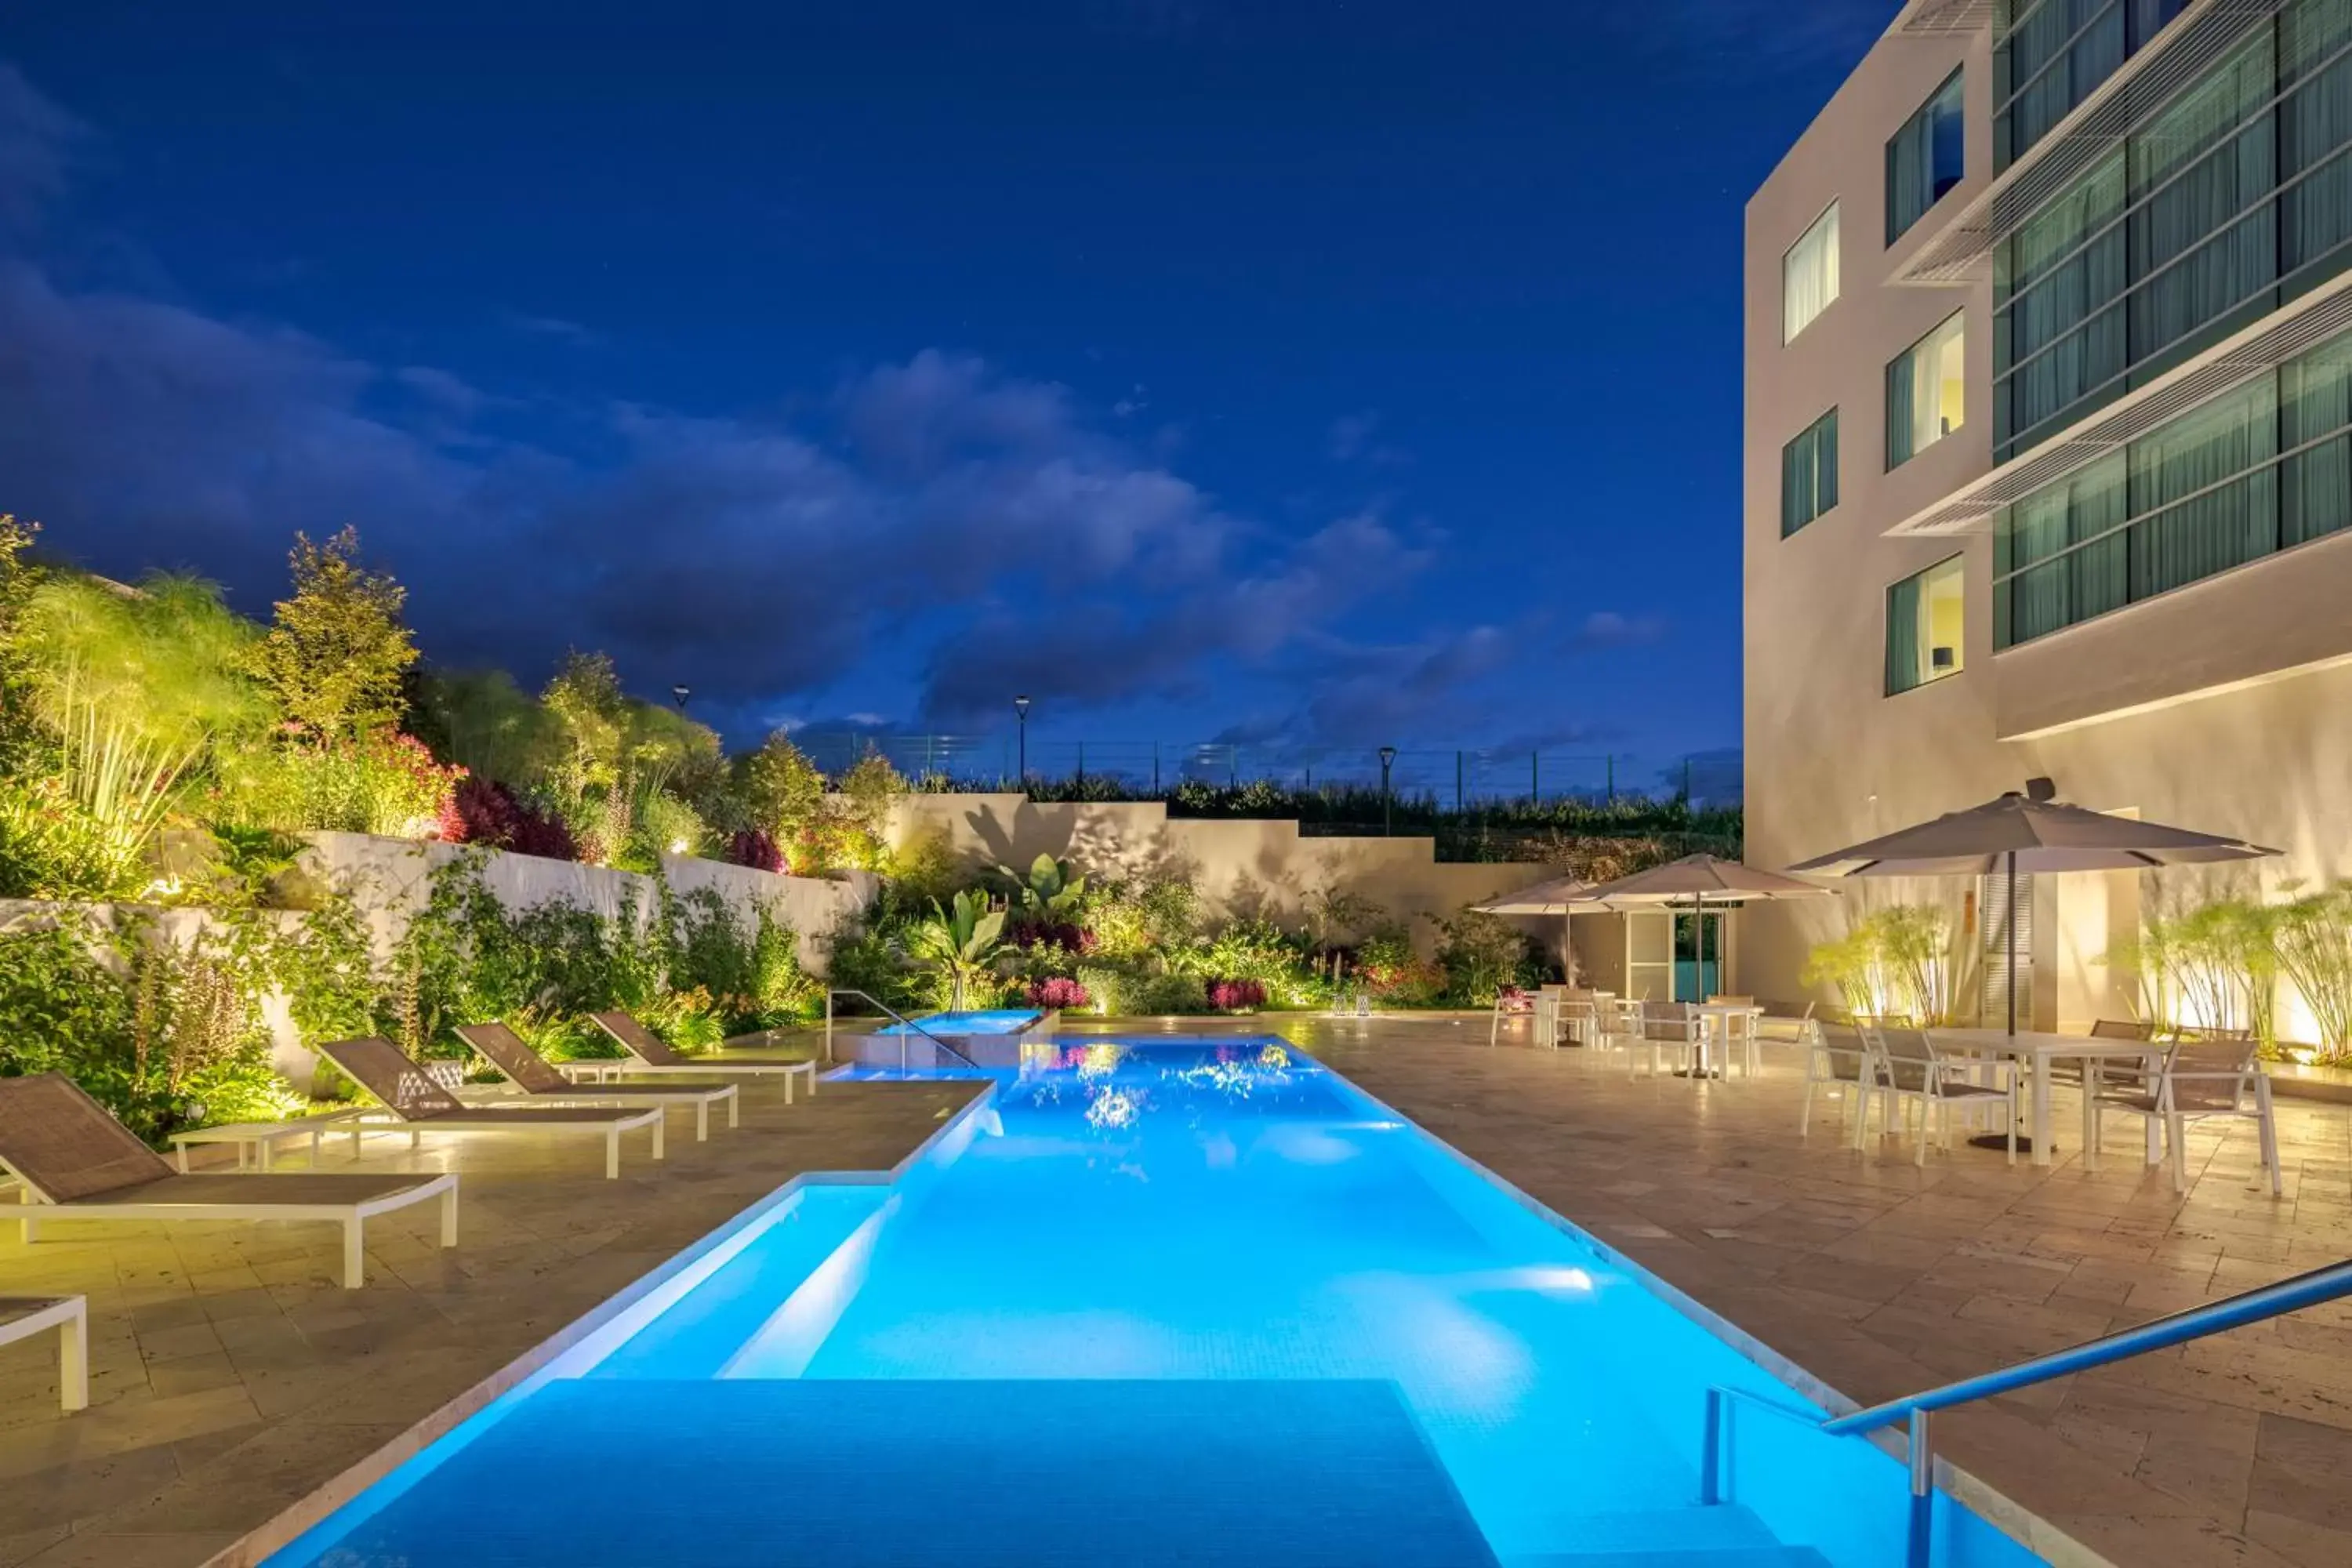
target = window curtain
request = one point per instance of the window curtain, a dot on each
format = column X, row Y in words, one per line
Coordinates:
column 1900, row 391
column 2315, row 126
column 2063, row 313
column 2053, row 586
column 1904, row 614
column 2201, row 164
column 1809, row 276
column 1928, row 146
column 1825, row 464
column 2202, row 524
column 2315, row 405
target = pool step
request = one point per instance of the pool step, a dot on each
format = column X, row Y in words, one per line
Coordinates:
column 1700, row 1557
column 751, row 1473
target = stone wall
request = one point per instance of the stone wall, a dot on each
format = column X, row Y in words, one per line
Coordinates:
column 1240, row 868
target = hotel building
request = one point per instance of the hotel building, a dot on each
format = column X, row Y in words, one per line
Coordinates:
column 2049, row 462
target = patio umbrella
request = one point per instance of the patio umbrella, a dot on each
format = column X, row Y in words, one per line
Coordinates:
column 2033, row 831
column 1560, row 896
column 1694, row 881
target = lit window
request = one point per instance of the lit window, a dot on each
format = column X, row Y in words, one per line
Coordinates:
column 1925, row 159
column 1923, row 389
column 1924, row 625
column 1809, row 275
column 1809, row 474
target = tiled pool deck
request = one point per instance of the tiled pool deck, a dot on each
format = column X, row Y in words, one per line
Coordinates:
column 230, row 1377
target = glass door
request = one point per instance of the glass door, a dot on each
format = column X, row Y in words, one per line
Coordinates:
column 1698, row 955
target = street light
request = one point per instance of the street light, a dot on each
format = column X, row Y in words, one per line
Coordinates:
column 678, row 694
column 1388, row 759
column 1021, row 707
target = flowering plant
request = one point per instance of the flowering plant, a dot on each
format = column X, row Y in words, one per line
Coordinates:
column 1057, row 991
column 1235, row 995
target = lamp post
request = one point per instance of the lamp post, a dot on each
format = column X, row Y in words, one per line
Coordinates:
column 1021, row 708
column 678, row 694
column 1388, row 759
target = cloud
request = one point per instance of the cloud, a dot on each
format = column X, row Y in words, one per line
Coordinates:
column 1351, row 440
column 555, row 327
column 1749, row 36
column 36, row 144
column 1611, row 628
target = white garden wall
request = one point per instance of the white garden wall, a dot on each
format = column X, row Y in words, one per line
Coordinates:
column 1239, row 868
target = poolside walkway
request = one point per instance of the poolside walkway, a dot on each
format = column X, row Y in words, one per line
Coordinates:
column 1883, row 1280
column 230, row 1376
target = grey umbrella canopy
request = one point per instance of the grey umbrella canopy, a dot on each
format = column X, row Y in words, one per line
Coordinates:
column 1561, row 896
column 1696, row 881
column 2029, row 832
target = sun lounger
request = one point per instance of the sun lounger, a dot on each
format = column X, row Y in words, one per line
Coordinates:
column 25, row 1317
column 648, row 1055
column 412, row 1101
column 77, row 1163
column 538, row 1078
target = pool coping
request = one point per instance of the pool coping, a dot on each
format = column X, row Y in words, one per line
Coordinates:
column 1996, row 1508
column 287, row 1525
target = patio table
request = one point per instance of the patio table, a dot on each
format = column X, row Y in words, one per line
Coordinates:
column 2036, row 1050
column 1715, row 1024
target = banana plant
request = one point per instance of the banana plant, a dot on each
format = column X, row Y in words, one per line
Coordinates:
column 958, row 943
column 1051, row 894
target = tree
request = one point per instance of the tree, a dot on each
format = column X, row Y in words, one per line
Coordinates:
column 336, row 651
column 19, row 732
column 587, row 700
column 783, row 791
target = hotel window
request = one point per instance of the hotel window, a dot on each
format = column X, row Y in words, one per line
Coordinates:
column 2049, row 55
column 1809, row 275
column 1809, row 474
column 1923, row 627
column 1925, row 159
column 2265, row 468
column 1923, row 391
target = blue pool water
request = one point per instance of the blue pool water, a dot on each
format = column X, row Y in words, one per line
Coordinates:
column 994, row 1021
column 1148, row 1304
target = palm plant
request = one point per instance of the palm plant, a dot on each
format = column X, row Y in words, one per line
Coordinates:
column 2313, row 936
column 958, row 943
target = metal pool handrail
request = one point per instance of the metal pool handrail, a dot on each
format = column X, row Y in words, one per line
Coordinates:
column 871, row 1000
column 2313, row 1289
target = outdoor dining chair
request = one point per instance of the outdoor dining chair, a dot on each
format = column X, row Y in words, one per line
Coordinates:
column 1840, row 1065
column 1669, row 1029
column 1910, row 1069
column 2197, row 1078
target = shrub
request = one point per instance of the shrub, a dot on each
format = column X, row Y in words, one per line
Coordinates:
column 1057, row 991
column 754, row 847
column 1480, row 954
column 1237, row 996
column 483, row 812
column 336, row 650
column 382, row 783
column 1147, row 994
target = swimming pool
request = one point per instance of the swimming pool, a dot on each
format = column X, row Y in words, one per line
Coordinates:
column 1147, row 1303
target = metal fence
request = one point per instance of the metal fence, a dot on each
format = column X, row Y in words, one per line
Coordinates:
column 1460, row 778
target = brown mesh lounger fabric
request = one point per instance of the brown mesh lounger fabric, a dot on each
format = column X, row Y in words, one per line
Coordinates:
column 76, row 1162
column 649, row 1055
column 415, row 1102
column 536, row 1077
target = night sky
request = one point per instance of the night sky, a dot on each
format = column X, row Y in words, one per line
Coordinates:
column 1297, row 373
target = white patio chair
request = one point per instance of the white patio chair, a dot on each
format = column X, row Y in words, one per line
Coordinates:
column 1739, row 1034
column 1841, row 1066
column 2217, row 1076
column 1669, row 1031
column 1911, row 1069
column 1579, row 1017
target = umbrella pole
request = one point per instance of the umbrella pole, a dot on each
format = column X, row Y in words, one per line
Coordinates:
column 2009, row 982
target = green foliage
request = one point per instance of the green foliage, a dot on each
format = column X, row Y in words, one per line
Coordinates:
column 380, row 783
column 336, row 651
column 1896, row 962
column 781, row 790
column 749, row 972
column 164, row 1035
column 19, row 581
column 168, row 660
column 1481, row 954
column 1050, row 893
column 481, row 720
column 89, row 827
column 959, row 945
column 2312, row 938
column 590, row 711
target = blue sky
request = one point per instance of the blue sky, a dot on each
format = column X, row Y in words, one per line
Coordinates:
column 1321, row 375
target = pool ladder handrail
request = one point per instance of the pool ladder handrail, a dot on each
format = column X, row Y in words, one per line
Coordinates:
column 2312, row 1289
column 872, row 1000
